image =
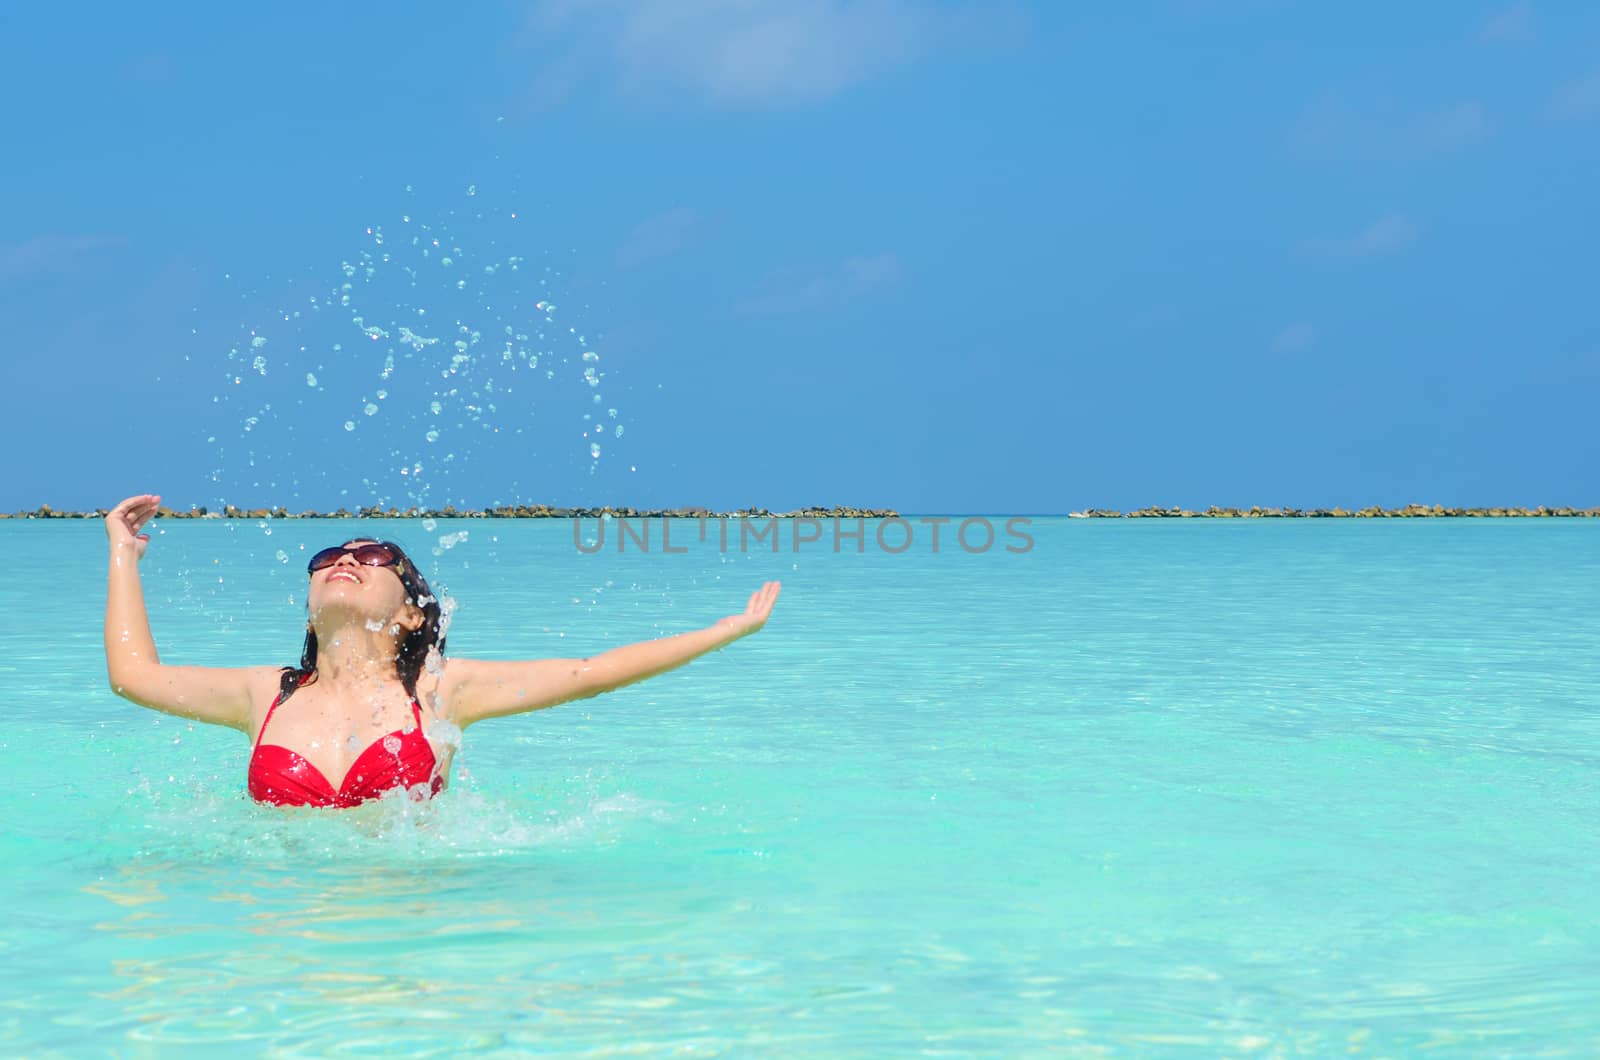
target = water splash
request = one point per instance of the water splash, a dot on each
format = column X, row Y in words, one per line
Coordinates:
column 384, row 291
column 476, row 374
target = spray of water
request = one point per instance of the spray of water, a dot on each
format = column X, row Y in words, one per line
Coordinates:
column 433, row 359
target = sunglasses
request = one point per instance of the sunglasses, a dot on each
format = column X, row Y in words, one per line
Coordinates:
column 378, row 555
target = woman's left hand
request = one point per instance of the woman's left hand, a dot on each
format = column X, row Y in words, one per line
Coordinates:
column 755, row 613
column 127, row 519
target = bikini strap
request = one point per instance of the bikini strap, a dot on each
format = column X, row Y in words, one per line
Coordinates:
column 262, row 731
column 275, row 701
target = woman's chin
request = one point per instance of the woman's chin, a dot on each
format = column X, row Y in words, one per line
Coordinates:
column 335, row 610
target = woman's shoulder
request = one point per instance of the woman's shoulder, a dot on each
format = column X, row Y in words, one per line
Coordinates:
column 265, row 685
column 265, row 682
column 431, row 688
column 436, row 686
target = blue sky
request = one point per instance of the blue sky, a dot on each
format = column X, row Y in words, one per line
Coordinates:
column 947, row 257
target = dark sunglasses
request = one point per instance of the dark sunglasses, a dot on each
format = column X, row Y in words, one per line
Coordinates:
column 378, row 555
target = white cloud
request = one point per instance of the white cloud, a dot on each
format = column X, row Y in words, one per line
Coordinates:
column 794, row 291
column 1386, row 235
column 1365, row 124
column 741, row 52
column 1515, row 23
column 49, row 252
column 660, row 237
column 1577, row 100
column 1383, row 236
column 1294, row 338
column 1449, row 128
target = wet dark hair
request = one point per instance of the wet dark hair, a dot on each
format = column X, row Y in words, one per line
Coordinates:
column 414, row 647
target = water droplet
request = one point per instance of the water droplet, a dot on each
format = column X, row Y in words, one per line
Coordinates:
column 257, row 342
column 311, row 379
column 417, row 342
column 432, row 436
column 619, row 430
column 594, row 450
column 472, row 189
column 371, row 409
column 349, row 425
column 382, row 394
column 391, row 743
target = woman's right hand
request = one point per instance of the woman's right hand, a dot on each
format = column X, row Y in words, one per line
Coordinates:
column 124, row 521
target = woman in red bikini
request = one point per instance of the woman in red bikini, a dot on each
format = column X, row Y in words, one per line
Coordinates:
column 351, row 722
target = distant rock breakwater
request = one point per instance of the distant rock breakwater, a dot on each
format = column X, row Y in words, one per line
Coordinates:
column 1410, row 511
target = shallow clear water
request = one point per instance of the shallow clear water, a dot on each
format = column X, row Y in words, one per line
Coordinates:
column 1243, row 788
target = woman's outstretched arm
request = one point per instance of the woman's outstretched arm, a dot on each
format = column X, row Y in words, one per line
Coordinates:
column 474, row 689
column 211, row 694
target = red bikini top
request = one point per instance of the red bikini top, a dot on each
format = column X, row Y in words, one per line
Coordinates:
column 397, row 760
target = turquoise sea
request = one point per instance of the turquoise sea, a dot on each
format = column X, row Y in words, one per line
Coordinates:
column 1153, row 788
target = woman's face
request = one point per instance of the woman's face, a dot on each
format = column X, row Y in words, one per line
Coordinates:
column 346, row 589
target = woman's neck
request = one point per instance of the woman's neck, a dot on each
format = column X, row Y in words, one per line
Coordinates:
column 355, row 659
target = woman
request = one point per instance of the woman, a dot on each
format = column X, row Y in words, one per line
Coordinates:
column 351, row 722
